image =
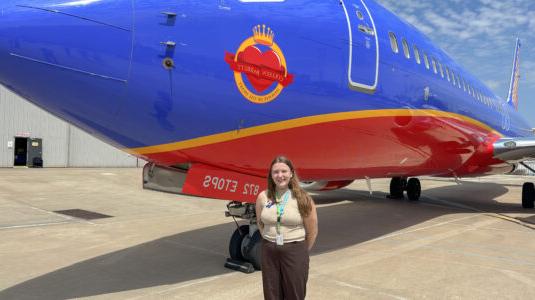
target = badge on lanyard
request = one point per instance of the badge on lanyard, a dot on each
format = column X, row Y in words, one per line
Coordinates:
column 280, row 239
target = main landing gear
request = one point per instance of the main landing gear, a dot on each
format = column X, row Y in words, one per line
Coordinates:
column 400, row 184
column 528, row 194
column 245, row 247
column 528, row 190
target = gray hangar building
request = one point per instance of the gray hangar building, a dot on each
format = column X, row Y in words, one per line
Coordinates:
column 32, row 137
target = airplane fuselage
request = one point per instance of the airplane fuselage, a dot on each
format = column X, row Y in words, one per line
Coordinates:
column 197, row 81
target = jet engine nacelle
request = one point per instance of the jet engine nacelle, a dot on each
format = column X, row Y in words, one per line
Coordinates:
column 324, row 185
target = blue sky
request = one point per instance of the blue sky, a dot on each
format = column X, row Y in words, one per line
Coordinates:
column 480, row 35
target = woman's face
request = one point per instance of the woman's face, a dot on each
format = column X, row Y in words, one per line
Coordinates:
column 281, row 174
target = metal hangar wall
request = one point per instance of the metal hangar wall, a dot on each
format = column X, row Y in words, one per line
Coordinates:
column 26, row 127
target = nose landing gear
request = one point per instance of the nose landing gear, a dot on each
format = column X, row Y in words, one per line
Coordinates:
column 245, row 246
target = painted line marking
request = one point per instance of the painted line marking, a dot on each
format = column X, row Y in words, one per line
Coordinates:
column 34, row 225
column 67, row 218
column 482, row 212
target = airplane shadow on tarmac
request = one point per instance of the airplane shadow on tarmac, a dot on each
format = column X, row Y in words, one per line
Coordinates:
column 201, row 253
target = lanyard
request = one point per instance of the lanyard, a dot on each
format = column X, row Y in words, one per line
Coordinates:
column 280, row 209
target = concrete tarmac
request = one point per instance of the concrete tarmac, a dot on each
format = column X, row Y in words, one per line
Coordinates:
column 468, row 241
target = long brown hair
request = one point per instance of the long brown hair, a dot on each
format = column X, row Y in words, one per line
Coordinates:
column 304, row 202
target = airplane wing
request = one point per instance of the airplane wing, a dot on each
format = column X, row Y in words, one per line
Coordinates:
column 515, row 150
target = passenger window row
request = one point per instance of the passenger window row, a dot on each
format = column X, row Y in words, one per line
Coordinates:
column 438, row 68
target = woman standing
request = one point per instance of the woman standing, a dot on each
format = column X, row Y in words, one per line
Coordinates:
column 288, row 222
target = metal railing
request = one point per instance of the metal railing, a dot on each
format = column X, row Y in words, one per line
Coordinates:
column 521, row 170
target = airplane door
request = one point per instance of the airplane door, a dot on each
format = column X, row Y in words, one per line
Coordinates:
column 363, row 70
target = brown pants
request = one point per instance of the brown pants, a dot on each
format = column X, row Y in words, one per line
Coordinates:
column 284, row 270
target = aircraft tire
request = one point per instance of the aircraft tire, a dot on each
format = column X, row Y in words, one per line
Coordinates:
column 235, row 244
column 397, row 186
column 414, row 189
column 528, row 194
column 252, row 250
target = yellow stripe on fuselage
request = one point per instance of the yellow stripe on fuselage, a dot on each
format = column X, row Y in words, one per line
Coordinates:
column 300, row 122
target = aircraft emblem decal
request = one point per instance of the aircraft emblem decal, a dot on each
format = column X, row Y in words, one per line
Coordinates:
column 261, row 69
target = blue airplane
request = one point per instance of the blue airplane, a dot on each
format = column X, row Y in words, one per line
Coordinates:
column 210, row 91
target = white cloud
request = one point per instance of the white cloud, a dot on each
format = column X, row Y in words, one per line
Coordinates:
column 480, row 35
column 493, row 84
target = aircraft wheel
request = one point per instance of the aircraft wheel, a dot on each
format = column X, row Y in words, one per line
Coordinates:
column 252, row 249
column 414, row 189
column 397, row 186
column 235, row 245
column 528, row 195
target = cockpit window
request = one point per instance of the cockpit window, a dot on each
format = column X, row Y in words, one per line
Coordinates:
column 393, row 42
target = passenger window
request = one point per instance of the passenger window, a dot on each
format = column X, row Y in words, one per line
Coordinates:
column 448, row 73
column 469, row 89
column 417, row 54
column 464, row 84
column 426, row 61
column 393, row 42
column 452, row 77
column 458, row 81
column 405, row 48
column 440, row 69
column 434, row 65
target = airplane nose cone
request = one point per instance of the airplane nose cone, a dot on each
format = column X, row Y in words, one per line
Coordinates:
column 70, row 57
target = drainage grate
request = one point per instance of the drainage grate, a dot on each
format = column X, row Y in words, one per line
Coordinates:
column 82, row 214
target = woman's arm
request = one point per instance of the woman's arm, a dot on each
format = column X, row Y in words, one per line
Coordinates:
column 258, row 208
column 311, row 226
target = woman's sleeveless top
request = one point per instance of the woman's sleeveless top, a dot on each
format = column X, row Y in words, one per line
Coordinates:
column 292, row 228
